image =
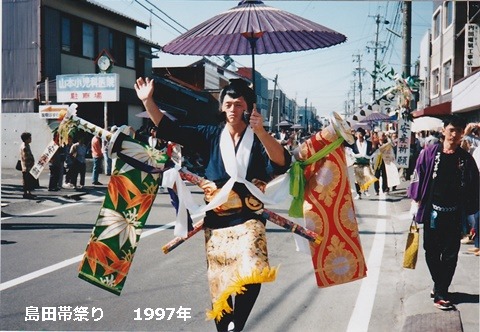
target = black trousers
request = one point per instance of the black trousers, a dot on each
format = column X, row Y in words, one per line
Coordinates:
column 55, row 173
column 241, row 310
column 381, row 172
column 29, row 182
column 357, row 189
column 441, row 245
column 78, row 169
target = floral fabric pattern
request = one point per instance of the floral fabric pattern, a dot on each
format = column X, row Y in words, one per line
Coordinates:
column 115, row 237
column 329, row 211
column 234, row 203
column 246, row 262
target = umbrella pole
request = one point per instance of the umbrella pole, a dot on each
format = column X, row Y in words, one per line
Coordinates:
column 252, row 37
column 253, row 41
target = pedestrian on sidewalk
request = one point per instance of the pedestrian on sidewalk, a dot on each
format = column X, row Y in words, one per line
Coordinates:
column 153, row 141
column 55, row 166
column 68, row 165
column 107, row 160
column 379, row 165
column 444, row 189
column 97, row 155
column 28, row 161
column 474, row 221
column 78, row 152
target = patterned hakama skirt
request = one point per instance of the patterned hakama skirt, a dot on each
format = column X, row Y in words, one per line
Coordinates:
column 236, row 256
column 364, row 176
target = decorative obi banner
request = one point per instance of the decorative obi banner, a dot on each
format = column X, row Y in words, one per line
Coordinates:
column 403, row 144
column 44, row 159
column 388, row 155
column 328, row 210
column 131, row 193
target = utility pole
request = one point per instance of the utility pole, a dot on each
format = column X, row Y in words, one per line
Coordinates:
column 305, row 116
column 270, row 121
column 296, row 109
column 312, row 118
column 407, row 38
column 360, row 71
column 354, row 89
column 375, row 48
column 347, row 105
column 278, row 110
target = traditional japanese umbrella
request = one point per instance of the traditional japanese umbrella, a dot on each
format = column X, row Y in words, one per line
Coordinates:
column 284, row 124
column 253, row 28
column 361, row 114
column 426, row 123
column 364, row 125
column 376, row 116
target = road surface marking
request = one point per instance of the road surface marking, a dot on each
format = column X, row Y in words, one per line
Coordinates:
column 58, row 266
column 63, row 206
column 362, row 311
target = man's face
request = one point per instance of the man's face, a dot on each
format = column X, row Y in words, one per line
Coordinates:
column 234, row 108
column 359, row 136
column 453, row 135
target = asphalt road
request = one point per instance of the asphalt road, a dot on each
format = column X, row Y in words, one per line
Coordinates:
column 43, row 241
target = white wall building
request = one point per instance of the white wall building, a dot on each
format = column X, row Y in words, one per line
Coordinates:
column 450, row 61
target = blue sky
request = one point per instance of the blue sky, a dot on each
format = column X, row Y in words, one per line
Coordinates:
column 322, row 76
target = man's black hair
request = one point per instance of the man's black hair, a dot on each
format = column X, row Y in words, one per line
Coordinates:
column 239, row 88
column 361, row 130
column 454, row 120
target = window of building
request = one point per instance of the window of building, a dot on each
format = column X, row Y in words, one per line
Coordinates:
column 448, row 12
column 66, row 38
column 88, row 40
column 447, row 75
column 70, row 39
column 435, row 82
column 436, row 25
column 110, row 41
column 130, row 52
column 118, row 48
column 79, row 38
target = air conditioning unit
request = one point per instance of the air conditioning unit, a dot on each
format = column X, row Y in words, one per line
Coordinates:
column 472, row 46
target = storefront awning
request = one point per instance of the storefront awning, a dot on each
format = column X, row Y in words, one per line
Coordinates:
column 465, row 93
column 435, row 110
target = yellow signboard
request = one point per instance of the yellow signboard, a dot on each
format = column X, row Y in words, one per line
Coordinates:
column 52, row 111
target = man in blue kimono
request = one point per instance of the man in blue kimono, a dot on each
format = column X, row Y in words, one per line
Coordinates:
column 240, row 158
column 444, row 189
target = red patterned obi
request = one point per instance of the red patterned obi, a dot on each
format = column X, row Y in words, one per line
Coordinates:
column 328, row 210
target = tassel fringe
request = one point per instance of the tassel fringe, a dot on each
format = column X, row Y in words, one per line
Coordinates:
column 368, row 184
column 238, row 287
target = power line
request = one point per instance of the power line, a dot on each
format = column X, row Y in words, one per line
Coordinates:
column 150, row 10
column 377, row 45
column 393, row 33
column 172, row 19
column 161, row 19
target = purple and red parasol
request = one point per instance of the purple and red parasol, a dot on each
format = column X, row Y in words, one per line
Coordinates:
column 253, row 28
